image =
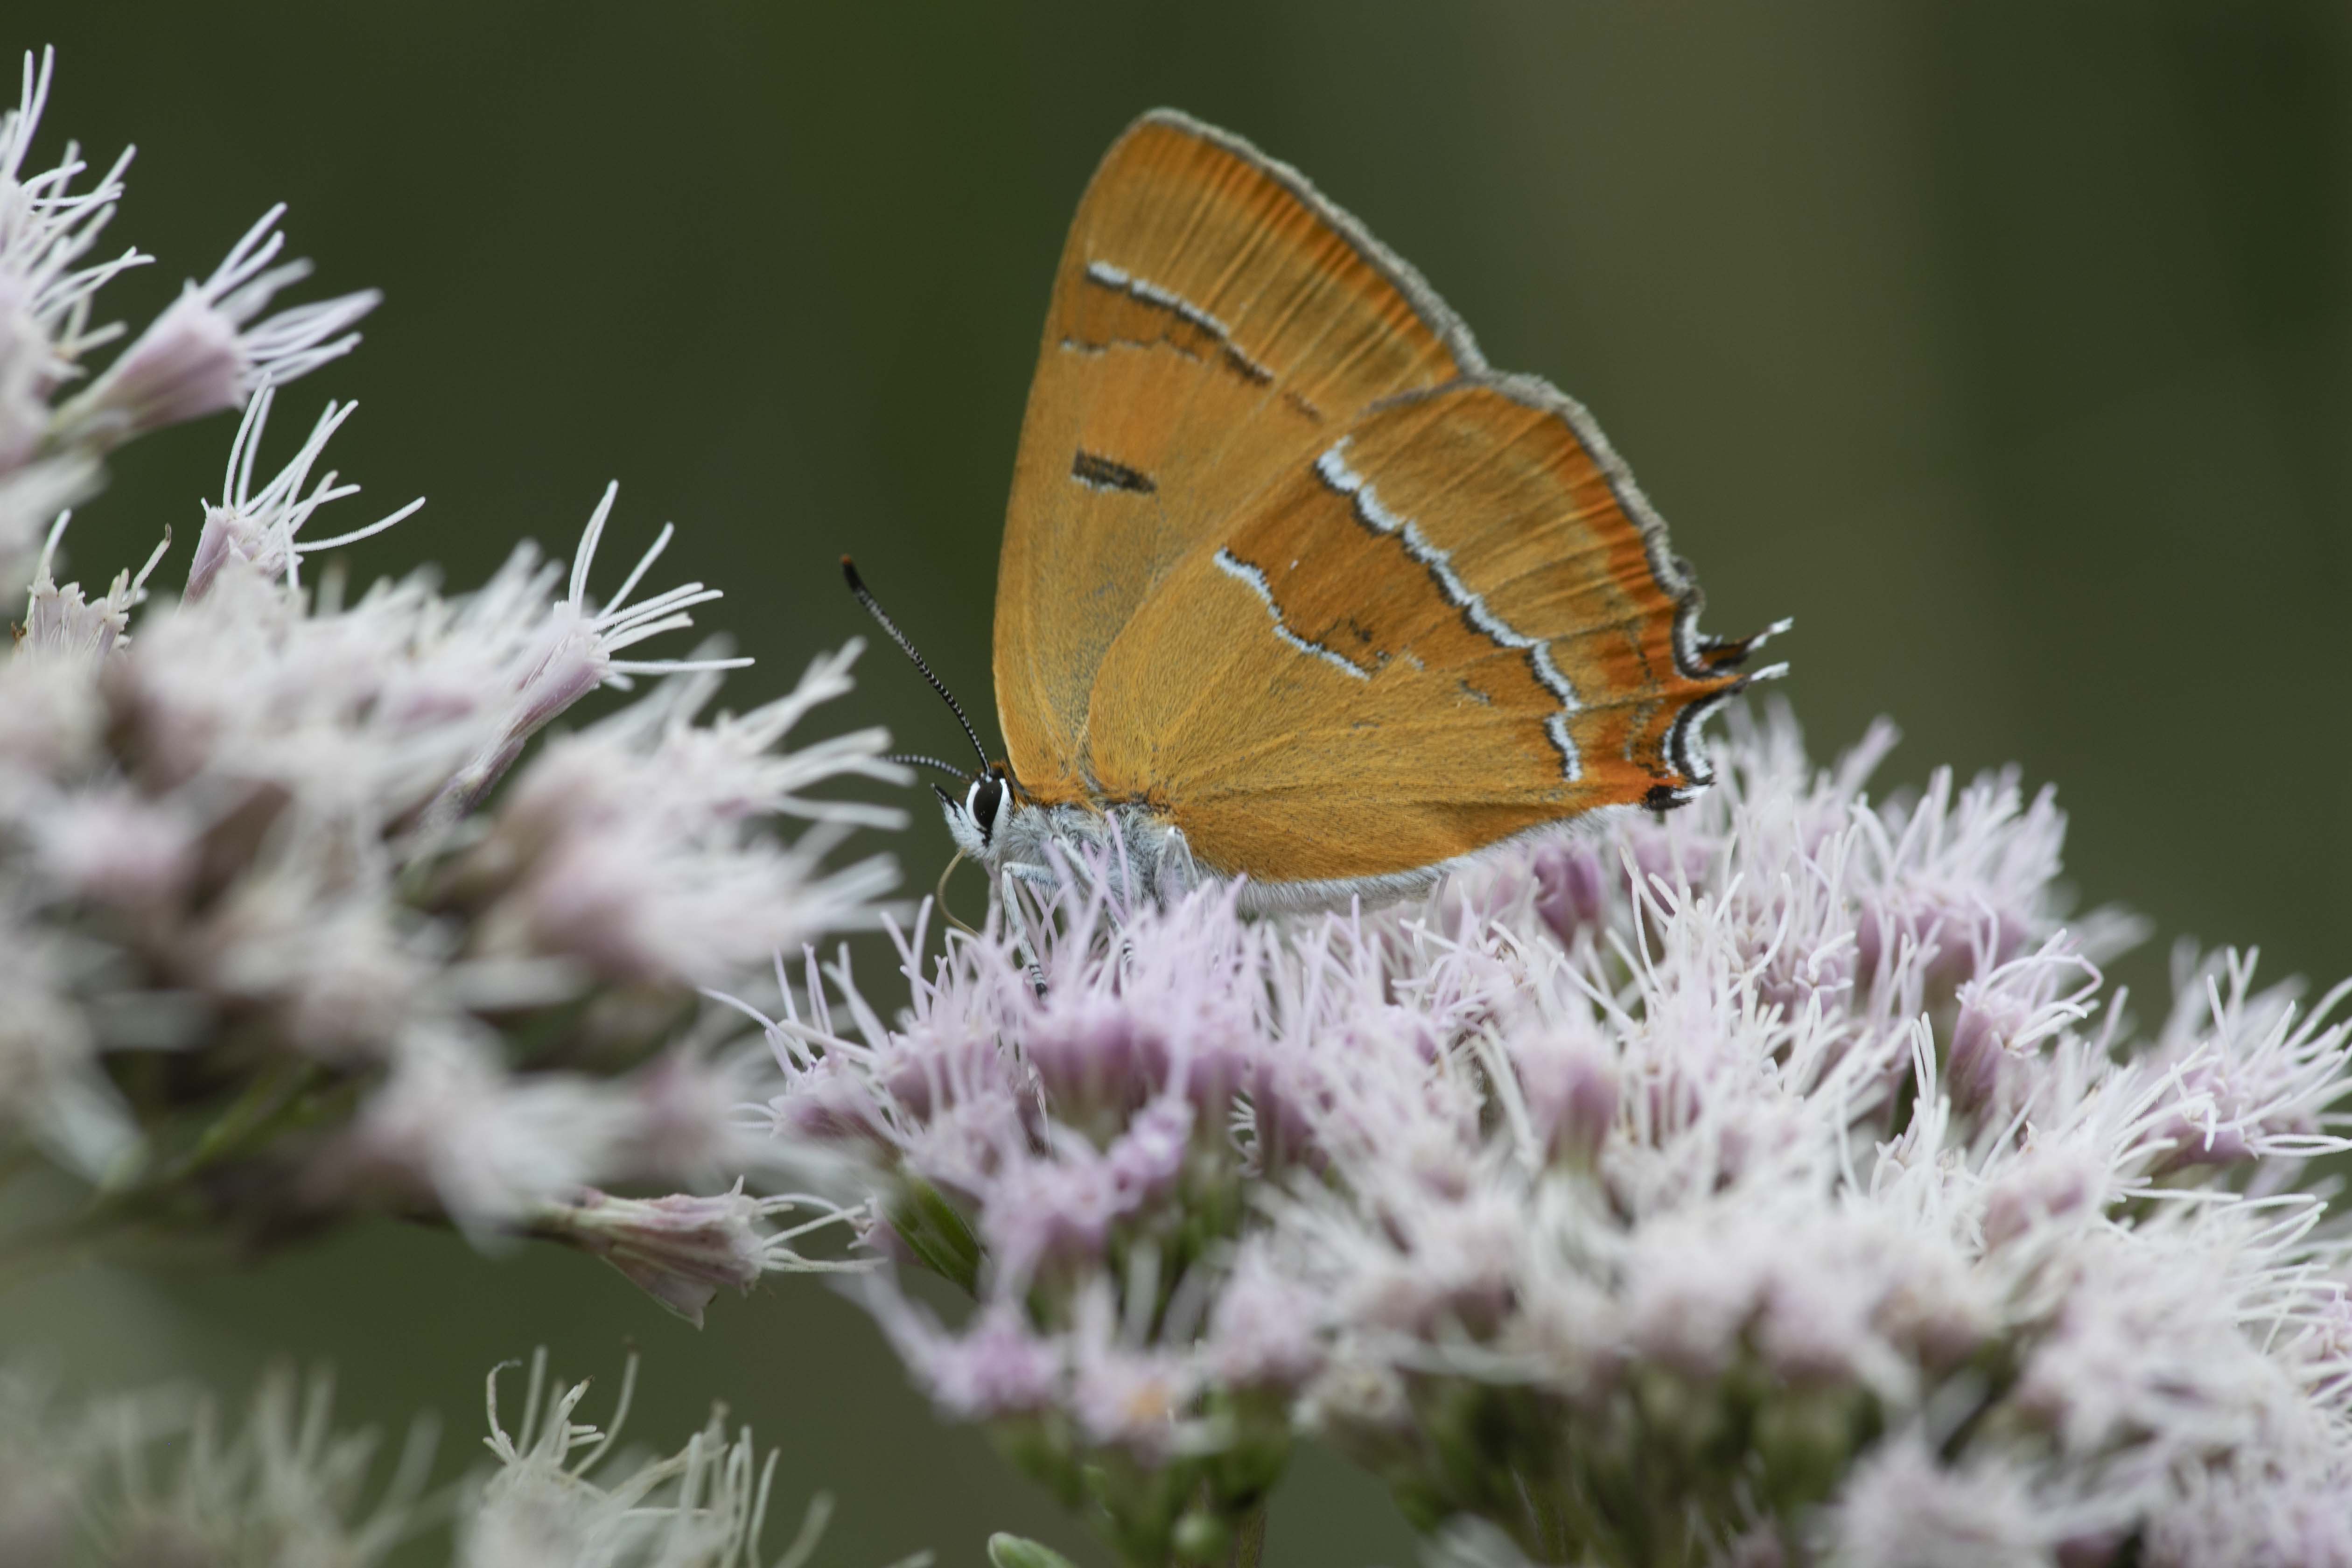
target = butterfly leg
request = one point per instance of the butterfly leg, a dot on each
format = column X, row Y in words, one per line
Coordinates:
column 1017, row 911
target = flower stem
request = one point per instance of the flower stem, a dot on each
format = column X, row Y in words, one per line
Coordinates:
column 1249, row 1541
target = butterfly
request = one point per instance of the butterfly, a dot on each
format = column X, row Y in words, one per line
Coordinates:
column 1296, row 589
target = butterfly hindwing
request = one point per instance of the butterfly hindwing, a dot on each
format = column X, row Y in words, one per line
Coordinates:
column 1452, row 622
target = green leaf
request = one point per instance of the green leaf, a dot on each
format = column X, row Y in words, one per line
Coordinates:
column 1013, row 1552
column 938, row 1235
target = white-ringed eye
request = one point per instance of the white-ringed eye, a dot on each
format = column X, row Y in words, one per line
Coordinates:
column 981, row 804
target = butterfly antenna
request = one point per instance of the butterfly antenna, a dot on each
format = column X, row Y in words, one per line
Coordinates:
column 911, row 759
column 865, row 597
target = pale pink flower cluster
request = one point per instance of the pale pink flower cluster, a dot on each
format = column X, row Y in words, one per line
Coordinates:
column 279, row 936
column 1777, row 1180
column 562, row 1496
column 209, row 349
column 151, row 1476
column 154, row 1476
column 266, row 825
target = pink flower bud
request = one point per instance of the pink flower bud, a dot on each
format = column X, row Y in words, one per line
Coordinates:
column 680, row 1249
column 1570, row 1080
column 188, row 363
column 1989, row 1020
column 1572, row 893
column 205, row 353
column 112, row 846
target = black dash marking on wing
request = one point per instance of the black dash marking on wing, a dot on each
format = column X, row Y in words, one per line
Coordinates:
column 1102, row 473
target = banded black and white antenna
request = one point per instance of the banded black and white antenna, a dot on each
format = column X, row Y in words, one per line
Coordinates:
column 917, row 760
column 881, row 618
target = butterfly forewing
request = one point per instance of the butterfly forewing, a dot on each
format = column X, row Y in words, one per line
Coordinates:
column 1213, row 323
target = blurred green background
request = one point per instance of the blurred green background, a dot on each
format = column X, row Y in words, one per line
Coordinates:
column 2007, row 346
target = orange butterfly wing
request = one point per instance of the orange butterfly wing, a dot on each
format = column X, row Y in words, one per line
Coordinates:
column 1213, row 323
column 1445, row 627
column 1289, row 565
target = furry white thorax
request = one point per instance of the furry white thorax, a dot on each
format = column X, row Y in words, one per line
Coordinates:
column 1045, row 845
column 1146, row 856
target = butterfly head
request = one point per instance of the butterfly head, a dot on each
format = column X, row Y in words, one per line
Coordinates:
column 974, row 819
column 987, row 802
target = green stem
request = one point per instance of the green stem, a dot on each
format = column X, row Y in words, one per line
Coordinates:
column 1249, row 1541
column 256, row 1112
column 274, row 1100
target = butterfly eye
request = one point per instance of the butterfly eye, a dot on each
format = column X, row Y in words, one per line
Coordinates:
column 981, row 805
